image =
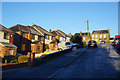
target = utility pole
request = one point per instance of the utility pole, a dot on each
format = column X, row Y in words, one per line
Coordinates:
column 87, row 26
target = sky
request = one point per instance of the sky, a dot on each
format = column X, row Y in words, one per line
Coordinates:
column 67, row 16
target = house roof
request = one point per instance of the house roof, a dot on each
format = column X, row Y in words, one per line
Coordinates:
column 3, row 28
column 100, row 32
column 5, row 44
column 42, row 30
column 56, row 33
column 83, row 34
column 54, row 41
column 25, row 29
column 62, row 33
column 35, row 42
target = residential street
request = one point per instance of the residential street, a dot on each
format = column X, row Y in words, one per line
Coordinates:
column 101, row 62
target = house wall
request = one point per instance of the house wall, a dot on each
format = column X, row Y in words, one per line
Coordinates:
column 52, row 46
column 2, row 51
column 19, row 40
column 2, row 37
column 47, row 41
column 11, row 38
column 5, row 51
column 67, row 39
column 36, row 38
column 57, row 37
column 101, row 37
column 38, row 50
column 86, row 40
column 61, row 39
column 34, row 48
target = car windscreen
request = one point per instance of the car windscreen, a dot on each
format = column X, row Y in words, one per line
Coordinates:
column 67, row 43
column 92, row 41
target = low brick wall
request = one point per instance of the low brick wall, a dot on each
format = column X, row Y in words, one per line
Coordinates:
column 44, row 58
column 37, row 61
column 14, row 66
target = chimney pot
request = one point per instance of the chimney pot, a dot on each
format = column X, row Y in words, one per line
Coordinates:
column 50, row 30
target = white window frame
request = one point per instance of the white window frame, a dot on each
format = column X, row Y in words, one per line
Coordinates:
column 96, row 36
column 83, row 38
column 92, row 36
column 105, row 36
column 100, row 35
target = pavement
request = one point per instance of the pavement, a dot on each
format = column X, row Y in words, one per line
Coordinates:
column 101, row 62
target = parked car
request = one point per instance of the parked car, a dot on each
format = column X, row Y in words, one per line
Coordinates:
column 116, row 42
column 78, row 45
column 102, row 42
column 117, row 39
column 92, row 43
column 118, row 46
column 65, row 45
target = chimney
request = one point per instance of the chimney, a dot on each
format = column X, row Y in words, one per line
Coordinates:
column 50, row 30
column 80, row 33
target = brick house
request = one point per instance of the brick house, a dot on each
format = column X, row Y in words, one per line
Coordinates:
column 58, row 36
column 6, row 42
column 48, row 37
column 100, row 35
column 25, row 38
column 86, row 37
column 65, row 37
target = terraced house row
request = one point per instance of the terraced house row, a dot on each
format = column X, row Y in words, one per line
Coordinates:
column 23, row 39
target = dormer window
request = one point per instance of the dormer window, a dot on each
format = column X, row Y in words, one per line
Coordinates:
column 6, row 36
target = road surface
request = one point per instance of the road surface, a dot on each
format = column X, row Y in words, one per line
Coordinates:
column 101, row 62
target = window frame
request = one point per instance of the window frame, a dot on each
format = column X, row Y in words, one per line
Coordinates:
column 23, row 47
column 33, row 37
column 6, row 36
column 38, row 47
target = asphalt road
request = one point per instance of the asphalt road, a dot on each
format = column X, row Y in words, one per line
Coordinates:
column 101, row 62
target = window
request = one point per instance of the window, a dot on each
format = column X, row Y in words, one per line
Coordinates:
column 101, row 36
column 63, row 39
column 96, row 36
column 38, row 47
column 67, row 43
column 51, row 37
column 23, row 47
column 66, row 37
column 24, row 35
column 92, row 36
column 39, row 38
column 104, row 36
column 6, row 36
column 84, row 38
column 33, row 36
column 45, row 36
column 60, row 38
column 48, row 37
column 10, row 51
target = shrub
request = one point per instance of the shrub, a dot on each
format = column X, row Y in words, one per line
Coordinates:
column 22, row 59
column 9, row 58
column 14, row 61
